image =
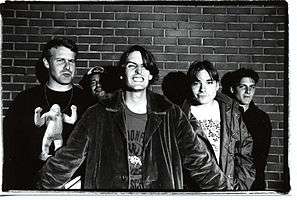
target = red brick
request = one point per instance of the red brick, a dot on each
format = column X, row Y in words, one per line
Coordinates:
column 264, row 11
column 152, row 17
column 274, row 51
column 102, row 31
column 40, row 22
column 204, row 34
column 187, row 57
column 165, row 9
column 274, row 67
column 275, row 19
column 16, row 5
column 215, row 58
column 53, row 31
column 264, row 27
column 189, row 9
column 90, row 40
column 239, row 26
column 214, row 10
column 202, row 18
column 115, row 8
column 250, row 50
column 225, row 18
column 201, row 49
column 214, row 42
column 126, row 32
column 15, row 22
column 91, row 7
column 176, row 33
column 239, row 58
column 141, row 8
column 139, row 24
column 265, row 59
column 115, row 24
column 74, row 15
column 225, row 34
column 103, row 16
column 111, row 56
column 27, row 14
column 189, row 41
column 126, row 16
column 41, row 6
column 238, row 10
column 174, row 17
column 65, row 23
column 26, row 46
column 225, row 50
column 176, row 65
column 214, row 26
column 165, row 25
column 165, row 41
column 251, row 35
column 152, row 32
column 189, row 25
column 66, row 7
column 13, row 54
column 139, row 40
column 238, row 42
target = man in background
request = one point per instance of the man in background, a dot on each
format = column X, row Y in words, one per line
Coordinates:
column 26, row 146
column 242, row 87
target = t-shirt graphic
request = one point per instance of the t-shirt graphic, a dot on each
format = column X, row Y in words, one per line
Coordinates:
column 211, row 129
column 135, row 134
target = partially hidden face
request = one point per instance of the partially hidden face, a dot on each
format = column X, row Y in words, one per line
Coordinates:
column 204, row 87
column 96, row 86
column 137, row 76
column 61, row 65
column 244, row 92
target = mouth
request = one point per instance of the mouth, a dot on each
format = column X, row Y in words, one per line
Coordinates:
column 66, row 74
column 138, row 79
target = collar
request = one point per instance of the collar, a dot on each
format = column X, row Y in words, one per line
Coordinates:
column 156, row 103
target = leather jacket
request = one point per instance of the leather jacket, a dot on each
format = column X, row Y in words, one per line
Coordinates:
column 170, row 146
column 236, row 159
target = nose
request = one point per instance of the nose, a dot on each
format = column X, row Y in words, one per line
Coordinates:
column 67, row 64
column 202, row 87
column 248, row 90
column 138, row 69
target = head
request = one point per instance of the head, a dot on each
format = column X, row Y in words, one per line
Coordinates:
column 243, row 85
column 203, row 80
column 140, row 69
column 92, row 82
column 59, row 57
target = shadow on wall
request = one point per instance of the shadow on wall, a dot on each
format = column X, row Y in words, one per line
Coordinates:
column 175, row 87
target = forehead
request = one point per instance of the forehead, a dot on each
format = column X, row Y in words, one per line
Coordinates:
column 95, row 77
column 135, row 57
column 203, row 75
column 247, row 81
column 61, row 51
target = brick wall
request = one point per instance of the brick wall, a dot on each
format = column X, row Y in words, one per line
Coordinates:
column 231, row 35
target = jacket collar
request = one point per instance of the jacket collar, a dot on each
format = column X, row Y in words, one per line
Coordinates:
column 157, row 106
column 221, row 98
column 156, row 103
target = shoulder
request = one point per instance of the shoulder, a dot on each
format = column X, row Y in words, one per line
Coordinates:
column 159, row 103
column 31, row 92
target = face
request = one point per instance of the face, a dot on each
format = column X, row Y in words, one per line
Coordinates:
column 245, row 91
column 138, row 76
column 61, row 66
column 204, row 88
column 96, row 86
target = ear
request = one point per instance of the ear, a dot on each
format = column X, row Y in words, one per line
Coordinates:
column 150, row 77
column 45, row 62
column 217, row 86
column 231, row 90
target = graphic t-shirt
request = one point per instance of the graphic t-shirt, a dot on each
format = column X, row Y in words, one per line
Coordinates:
column 209, row 120
column 135, row 124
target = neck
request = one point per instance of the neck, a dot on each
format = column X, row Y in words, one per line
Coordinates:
column 58, row 87
column 136, row 101
column 208, row 105
column 245, row 107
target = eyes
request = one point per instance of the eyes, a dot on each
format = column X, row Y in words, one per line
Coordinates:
column 207, row 82
column 133, row 66
column 246, row 87
column 63, row 61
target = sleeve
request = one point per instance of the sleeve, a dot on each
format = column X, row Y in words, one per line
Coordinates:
column 197, row 162
column 12, row 142
column 59, row 169
column 244, row 164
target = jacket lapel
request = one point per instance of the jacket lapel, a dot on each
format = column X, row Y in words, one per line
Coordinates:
column 152, row 125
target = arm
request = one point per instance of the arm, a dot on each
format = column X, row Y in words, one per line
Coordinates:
column 244, row 168
column 59, row 168
column 197, row 161
column 71, row 119
column 39, row 121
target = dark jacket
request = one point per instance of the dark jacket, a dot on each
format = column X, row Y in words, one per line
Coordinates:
column 100, row 137
column 236, row 159
column 259, row 125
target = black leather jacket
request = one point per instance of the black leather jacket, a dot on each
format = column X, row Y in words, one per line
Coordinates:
column 170, row 146
column 236, row 159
